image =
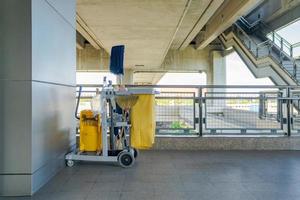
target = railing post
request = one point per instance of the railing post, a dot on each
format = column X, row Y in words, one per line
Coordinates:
column 250, row 45
column 281, row 44
column 261, row 106
column 291, row 51
column 295, row 69
column 273, row 36
column 200, row 112
column 289, row 120
column 256, row 51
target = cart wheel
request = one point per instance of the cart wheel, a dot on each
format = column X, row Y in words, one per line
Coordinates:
column 135, row 152
column 70, row 163
column 125, row 159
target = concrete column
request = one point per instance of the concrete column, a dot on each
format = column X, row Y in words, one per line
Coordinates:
column 216, row 72
column 91, row 59
column 128, row 77
column 218, row 68
column 37, row 79
column 216, row 75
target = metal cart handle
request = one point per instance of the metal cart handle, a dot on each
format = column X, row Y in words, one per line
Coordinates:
column 77, row 104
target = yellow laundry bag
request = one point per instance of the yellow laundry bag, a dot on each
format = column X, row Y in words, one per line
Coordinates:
column 143, row 122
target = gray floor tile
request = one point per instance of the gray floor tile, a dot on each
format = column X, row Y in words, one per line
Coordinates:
column 104, row 196
column 167, row 195
column 141, row 195
column 204, row 175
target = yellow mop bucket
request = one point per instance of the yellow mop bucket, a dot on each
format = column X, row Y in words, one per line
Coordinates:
column 90, row 131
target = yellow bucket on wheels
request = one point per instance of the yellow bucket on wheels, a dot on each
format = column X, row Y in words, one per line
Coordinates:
column 90, row 131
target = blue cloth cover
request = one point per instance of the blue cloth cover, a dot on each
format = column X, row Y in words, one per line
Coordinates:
column 117, row 59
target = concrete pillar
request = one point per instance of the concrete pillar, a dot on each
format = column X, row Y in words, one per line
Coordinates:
column 91, row 59
column 216, row 75
column 128, row 77
column 37, row 79
column 216, row 72
column 218, row 68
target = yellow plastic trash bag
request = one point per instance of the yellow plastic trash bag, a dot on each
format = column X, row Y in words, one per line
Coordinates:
column 143, row 122
column 90, row 131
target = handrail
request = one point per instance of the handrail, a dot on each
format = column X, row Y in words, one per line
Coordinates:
column 262, row 43
column 250, row 25
column 296, row 45
column 204, row 86
column 249, row 38
column 77, row 104
column 283, row 42
column 275, row 37
column 251, row 44
column 244, row 33
column 269, row 31
column 279, row 99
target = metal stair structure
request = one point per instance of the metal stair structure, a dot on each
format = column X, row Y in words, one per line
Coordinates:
column 265, row 52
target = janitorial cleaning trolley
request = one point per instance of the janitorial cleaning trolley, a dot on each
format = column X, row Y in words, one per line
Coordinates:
column 115, row 132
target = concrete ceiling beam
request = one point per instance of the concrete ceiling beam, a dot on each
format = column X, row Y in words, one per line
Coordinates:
column 275, row 14
column 227, row 14
column 187, row 6
column 80, row 41
column 87, row 33
column 147, row 78
column 204, row 12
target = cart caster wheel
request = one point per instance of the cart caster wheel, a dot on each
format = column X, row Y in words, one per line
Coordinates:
column 125, row 159
column 70, row 163
column 135, row 153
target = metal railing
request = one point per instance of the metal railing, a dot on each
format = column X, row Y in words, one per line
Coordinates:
column 276, row 39
column 269, row 49
column 221, row 110
column 275, row 46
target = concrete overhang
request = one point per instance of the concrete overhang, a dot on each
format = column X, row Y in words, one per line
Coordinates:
column 148, row 29
column 225, row 16
column 275, row 13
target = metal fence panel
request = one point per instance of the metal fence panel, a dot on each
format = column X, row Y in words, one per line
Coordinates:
column 205, row 110
column 242, row 111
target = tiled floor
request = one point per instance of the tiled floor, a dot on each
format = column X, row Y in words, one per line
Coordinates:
column 214, row 175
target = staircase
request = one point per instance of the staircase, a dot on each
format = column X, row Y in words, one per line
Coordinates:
column 266, row 53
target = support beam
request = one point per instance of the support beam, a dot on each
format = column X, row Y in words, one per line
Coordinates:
column 80, row 41
column 285, row 19
column 128, row 77
column 188, row 59
column 91, row 59
column 218, row 68
column 87, row 33
column 225, row 17
column 217, row 76
column 275, row 13
column 147, row 78
column 203, row 18
column 186, row 8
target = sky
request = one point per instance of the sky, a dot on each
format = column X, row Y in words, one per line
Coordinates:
column 291, row 34
column 94, row 77
column 239, row 74
column 185, row 79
